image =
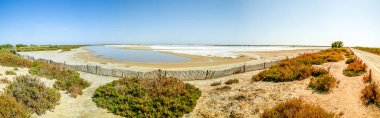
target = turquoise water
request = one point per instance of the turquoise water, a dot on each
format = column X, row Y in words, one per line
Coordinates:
column 134, row 55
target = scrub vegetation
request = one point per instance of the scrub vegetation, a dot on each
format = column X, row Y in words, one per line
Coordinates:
column 337, row 44
column 370, row 94
column 299, row 67
column 355, row 68
column 65, row 79
column 322, row 83
column 163, row 97
column 33, row 94
column 27, row 48
column 10, row 72
column 368, row 49
column 296, row 108
column 11, row 108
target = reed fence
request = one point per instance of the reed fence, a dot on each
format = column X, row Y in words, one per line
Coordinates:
column 183, row 74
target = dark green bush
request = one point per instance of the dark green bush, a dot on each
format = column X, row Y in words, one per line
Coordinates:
column 322, row 83
column 131, row 97
column 65, row 79
column 337, row 44
column 296, row 108
column 10, row 108
column 224, row 88
column 33, row 94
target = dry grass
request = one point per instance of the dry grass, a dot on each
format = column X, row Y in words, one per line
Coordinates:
column 10, row 60
column 231, row 81
column 296, row 108
column 5, row 80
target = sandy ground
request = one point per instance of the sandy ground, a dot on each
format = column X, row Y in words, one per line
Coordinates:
column 82, row 56
column 251, row 99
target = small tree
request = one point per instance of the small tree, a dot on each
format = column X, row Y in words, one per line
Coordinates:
column 21, row 45
column 337, row 44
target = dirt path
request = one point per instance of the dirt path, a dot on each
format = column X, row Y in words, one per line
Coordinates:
column 248, row 99
column 372, row 60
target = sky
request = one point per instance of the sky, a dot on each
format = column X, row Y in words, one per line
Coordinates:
column 248, row 22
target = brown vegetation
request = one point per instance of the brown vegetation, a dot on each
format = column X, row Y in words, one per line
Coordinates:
column 322, row 83
column 367, row 78
column 355, row 68
column 299, row 67
column 10, row 108
column 296, row 108
column 8, row 59
column 216, row 84
column 370, row 94
column 231, row 81
column 224, row 88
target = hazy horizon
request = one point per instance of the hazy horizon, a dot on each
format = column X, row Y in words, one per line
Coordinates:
column 212, row 22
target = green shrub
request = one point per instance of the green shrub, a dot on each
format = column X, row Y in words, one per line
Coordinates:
column 25, row 48
column 10, row 72
column 296, row 108
column 216, row 84
column 322, row 83
column 65, row 78
column 163, row 97
column 337, row 44
column 299, row 67
column 10, row 108
column 33, row 94
column 349, row 60
column 231, row 81
column 355, row 68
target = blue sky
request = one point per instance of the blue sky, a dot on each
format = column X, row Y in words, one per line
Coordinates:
column 302, row 22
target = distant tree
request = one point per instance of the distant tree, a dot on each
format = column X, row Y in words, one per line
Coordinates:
column 21, row 45
column 337, row 44
column 6, row 46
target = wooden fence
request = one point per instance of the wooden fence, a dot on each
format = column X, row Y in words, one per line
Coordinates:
column 183, row 75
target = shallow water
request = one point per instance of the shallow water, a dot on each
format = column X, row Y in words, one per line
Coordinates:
column 134, row 55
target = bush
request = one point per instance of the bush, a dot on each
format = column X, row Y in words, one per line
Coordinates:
column 163, row 97
column 231, row 81
column 322, row 83
column 216, row 84
column 349, row 60
column 355, row 68
column 10, row 108
column 65, row 79
column 319, row 71
column 5, row 80
column 337, row 44
column 370, row 94
column 33, row 94
column 299, row 67
column 10, row 72
column 296, row 108
column 224, row 88
column 11, row 60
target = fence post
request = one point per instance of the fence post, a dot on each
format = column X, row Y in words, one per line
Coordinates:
column 244, row 68
column 159, row 73
column 264, row 65
column 206, row 74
